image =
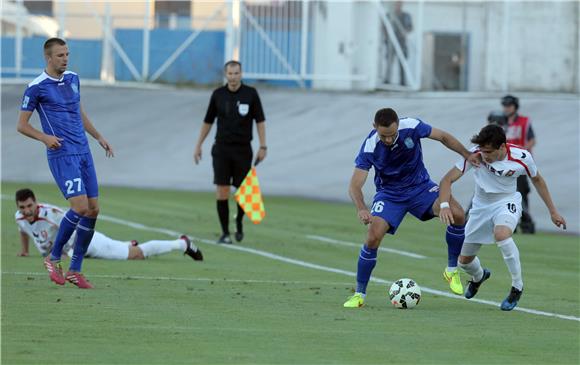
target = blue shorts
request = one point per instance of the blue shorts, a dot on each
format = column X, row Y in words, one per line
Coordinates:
column 75, row 175
column 419, row 205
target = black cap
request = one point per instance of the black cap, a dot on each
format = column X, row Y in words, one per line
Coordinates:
column 510, row 100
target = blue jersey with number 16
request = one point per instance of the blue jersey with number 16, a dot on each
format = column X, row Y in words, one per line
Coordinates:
column 399, row 170
column 58, row 103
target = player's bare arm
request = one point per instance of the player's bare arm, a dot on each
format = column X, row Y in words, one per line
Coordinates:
column 357, row 181
column 454, row 145
column 90, row 128
column 24, row 127
column 445, row 213
column 542, row 188
column 205, row 128
column 262, row 151
column 24, row 243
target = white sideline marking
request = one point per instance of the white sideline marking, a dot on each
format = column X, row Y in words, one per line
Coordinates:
column 358, row 245
column 321, row 267
column 171, row 278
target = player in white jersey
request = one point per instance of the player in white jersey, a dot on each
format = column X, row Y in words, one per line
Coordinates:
column 40, row 222
column 497, row 207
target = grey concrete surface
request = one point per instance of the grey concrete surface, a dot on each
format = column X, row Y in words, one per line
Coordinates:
column 313, row 138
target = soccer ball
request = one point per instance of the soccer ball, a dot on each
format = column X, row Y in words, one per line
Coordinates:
column 405, row 294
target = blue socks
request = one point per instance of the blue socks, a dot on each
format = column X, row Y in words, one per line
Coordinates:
column 85, row 231
column 67, row 227
column 366, row 263
column 454, row 237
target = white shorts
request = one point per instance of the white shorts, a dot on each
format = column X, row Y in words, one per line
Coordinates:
column 103, row 247
column 484, row 217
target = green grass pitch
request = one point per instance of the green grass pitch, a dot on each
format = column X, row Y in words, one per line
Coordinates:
column 239, row 307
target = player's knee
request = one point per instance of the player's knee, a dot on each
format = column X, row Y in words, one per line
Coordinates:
column 92, row 212
column 459, row 217
column 464, row 260
column 81, row 210
column 458, row 213
column 501, row 233
column 373, row 240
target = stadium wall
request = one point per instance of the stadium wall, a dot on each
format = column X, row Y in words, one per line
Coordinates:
column 518, row 46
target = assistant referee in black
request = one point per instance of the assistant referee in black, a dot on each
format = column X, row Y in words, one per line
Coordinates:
column 236, row 106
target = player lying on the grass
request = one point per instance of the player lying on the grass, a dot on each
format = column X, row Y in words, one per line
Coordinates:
column 40, row 222
column 393, row 149
column 497, row 207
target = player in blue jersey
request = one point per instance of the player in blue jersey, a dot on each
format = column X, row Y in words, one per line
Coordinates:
column 55, row 94
column 403, row 186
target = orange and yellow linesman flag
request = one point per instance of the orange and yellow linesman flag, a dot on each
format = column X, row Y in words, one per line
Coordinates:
column 249, row 197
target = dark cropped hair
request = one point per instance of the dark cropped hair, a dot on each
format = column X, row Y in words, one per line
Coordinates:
column 491, row 135
column 51, row 42
column 385, row 117
column 24, row 194
column 232, row 63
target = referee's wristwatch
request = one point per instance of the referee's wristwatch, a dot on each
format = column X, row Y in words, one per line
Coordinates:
column 263, row 147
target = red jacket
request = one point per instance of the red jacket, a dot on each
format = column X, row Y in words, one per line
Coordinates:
column 517, row 132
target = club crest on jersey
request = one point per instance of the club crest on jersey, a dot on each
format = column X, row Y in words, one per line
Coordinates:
column 409, row 142
column 74, row 88
column 243, row 109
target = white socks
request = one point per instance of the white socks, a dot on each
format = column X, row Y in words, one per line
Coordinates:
column 511, row 256
column 473, row 268
column 153, row 248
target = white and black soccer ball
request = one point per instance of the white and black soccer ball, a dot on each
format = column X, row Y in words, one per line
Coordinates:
column 405, row 294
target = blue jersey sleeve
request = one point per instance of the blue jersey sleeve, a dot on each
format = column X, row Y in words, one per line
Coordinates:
column 363, row 160
column 30, row 98
column 423, row 130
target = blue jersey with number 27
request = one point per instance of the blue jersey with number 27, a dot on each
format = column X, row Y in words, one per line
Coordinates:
column 399, row 170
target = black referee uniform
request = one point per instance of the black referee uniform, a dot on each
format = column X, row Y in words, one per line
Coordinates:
column 232, row 151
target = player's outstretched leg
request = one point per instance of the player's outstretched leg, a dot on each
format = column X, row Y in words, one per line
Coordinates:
column 158, row 247
column 455, row 235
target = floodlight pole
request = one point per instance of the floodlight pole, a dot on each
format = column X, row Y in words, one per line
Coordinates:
column 61, row 18
column 18, row 40
column 304, row 38
column 146, row 42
